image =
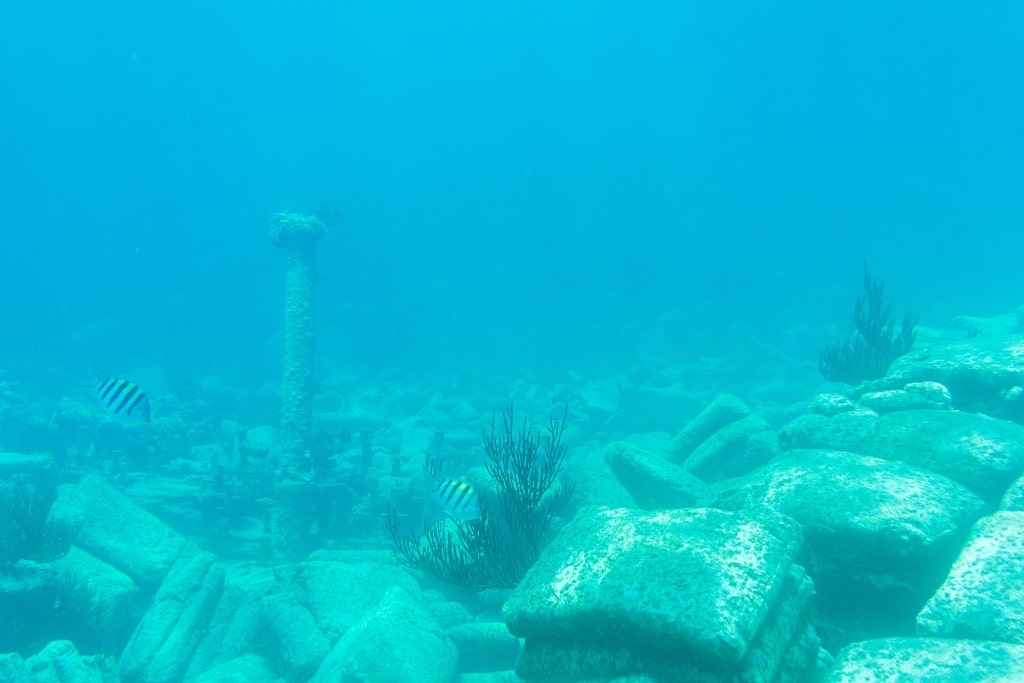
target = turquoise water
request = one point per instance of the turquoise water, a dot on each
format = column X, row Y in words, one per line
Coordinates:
column 627, row 209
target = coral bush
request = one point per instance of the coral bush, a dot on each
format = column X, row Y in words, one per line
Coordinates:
column 495, row 550
column 871, row 348
column 27, row 532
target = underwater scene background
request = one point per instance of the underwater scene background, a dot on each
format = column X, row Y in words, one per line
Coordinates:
column 491, row 342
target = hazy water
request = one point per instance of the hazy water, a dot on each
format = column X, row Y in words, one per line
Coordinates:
column 548, row 185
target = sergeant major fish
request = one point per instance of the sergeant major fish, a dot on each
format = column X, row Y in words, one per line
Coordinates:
column 457, row 498
column 123, row 400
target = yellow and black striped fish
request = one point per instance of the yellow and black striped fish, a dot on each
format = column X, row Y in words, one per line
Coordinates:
column 123, row 400
column 457, row 498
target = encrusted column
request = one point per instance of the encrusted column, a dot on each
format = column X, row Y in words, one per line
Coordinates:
column 298, row 234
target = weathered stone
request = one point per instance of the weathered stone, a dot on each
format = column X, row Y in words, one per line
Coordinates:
column 982, row 453
column 301, row 645
column 982, row 597
column 652, row 481
column 914, row 396
column 979, row 372
column 735, row 449
column 235, row 627
column 119, row 532
column 397, row 641
column 928, row 659
column 325, row 575
column 586, row 609
column 720, row 412
column 1013, row 499
column 596, row 483
column 165, row 640
column 830, row 404
column 878, row 533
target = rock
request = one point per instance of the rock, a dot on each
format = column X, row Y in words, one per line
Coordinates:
column 300, row 643
column 978, row 371
column 396, row 641
column 1013, row 499
column 586, row 610
column 982, row 453
column 720, row 412
column 979, row 599
column 928, row 659
column 248, row 668
column 830, row 404
column 235, row 627
column 165, row 640
column 324, row 573
column 119, row 532
column 58, row 662
column 735, row 449
column 914, row 396
column 596, row 483
column 652, row 481
column 879, row 535
column 484, row 646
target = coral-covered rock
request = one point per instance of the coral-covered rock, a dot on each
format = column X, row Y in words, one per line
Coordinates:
column 165, row 640
column 118, row 531
column 396, row 641
column 983, row 596
column 325, row 575
column 697, row 594
column 928, row 659
column 878, row 533
column 301, row 644
column 982, row 453
column 653, row 481
column 725, row 409
column 735, row 449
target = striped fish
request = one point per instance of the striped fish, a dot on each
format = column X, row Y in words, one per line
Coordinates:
column 123, row 399
column 457, row 498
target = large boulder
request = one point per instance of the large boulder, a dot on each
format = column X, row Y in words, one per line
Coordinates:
column 984, row 373
column 983, row 596
column 699, row 593
column 236, row 626
column 724, row 440
column 982, row 453
column 397, row 641
column 325, row 575
column 301, row 644
column 653, row 481
column 928, row 659
column 877, row 533
column 165, row 640
column 115, row 529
